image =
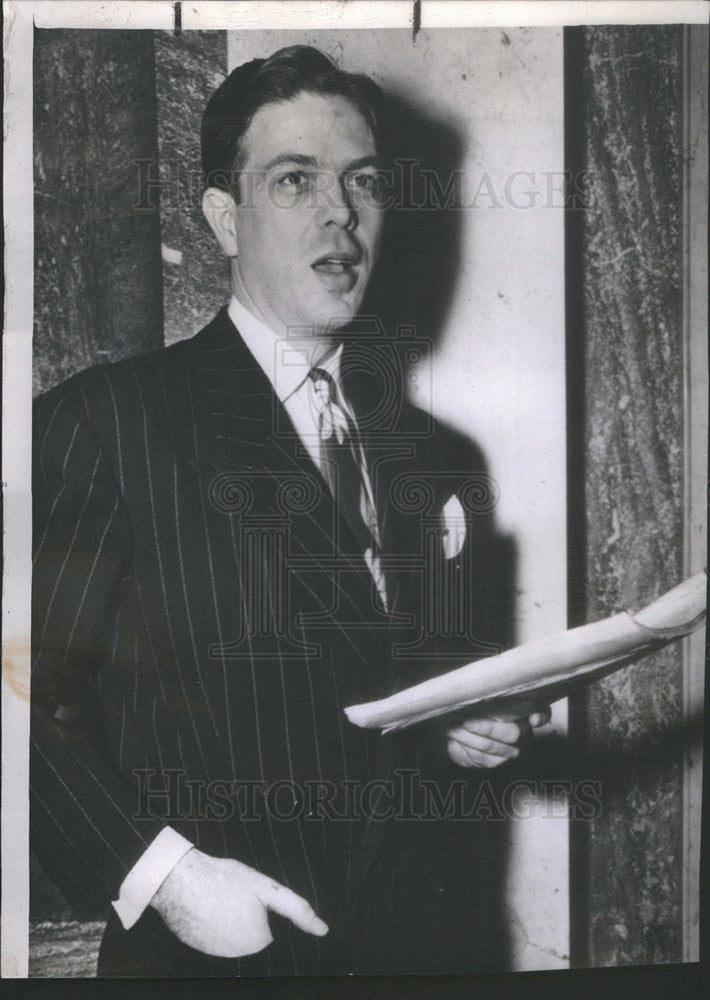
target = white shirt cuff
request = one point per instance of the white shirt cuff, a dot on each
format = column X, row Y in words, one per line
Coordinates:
column 148, row 874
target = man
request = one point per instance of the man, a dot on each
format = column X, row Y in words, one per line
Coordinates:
column 215, row 579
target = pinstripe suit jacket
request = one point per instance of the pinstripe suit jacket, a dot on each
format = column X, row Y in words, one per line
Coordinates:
column 201, row 618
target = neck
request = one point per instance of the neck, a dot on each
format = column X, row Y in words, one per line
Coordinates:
column 316, row 348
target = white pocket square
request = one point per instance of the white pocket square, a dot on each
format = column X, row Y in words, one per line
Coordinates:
column 454, row 522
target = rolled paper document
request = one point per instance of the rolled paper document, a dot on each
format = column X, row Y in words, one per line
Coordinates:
column 545, row 669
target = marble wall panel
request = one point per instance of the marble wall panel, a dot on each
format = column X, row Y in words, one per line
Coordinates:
column 188, row 67
column 626, row 889
column 98, row 292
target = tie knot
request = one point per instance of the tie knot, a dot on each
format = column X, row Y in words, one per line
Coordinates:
column 323, row 383
column 323, row 389
column 332, row 419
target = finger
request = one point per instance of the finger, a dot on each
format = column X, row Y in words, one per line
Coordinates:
column 468, row 757
column 483, row 744
column 497, row 730
column 282, row 900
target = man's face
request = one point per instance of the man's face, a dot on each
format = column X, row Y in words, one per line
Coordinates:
column 308, row 222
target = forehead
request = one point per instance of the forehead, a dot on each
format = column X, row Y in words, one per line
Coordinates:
column 326, row 127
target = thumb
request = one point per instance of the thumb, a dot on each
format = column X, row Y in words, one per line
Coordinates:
column 540, row 718
column 285, row 902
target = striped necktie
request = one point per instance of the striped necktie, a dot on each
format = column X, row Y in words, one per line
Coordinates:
column 344, row 468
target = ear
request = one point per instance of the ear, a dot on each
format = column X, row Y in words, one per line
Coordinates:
column 220, row 211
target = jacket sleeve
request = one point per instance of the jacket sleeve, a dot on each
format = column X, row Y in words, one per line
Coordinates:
column 82, row 810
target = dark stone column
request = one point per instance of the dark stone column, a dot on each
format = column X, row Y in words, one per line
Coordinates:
column 195, row 272
column 98, row 293
column 627, row 454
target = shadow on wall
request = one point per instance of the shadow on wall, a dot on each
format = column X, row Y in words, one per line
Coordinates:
column 412, row 288
column 415, row 278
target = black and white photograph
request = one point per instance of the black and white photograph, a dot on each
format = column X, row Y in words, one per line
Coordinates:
column 357, row 362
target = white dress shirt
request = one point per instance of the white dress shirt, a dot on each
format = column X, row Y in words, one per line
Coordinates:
column 286, row 362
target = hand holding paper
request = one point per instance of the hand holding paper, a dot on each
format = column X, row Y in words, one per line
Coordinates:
column 487, row 743
column 546, row 669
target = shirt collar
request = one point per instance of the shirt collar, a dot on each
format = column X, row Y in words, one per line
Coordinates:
column 285, row 366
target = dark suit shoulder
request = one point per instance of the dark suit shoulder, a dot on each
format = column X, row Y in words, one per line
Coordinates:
column 97, row 381
column 156, row 381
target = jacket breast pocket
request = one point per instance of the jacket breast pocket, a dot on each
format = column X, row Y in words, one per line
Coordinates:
column 454, row 527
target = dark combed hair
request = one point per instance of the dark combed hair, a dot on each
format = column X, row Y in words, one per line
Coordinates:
column 281, row 77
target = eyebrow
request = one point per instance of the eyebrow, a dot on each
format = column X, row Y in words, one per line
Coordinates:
column 365, row 161
column 310, row 161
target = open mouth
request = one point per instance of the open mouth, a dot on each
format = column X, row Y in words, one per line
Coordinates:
column 336, row 263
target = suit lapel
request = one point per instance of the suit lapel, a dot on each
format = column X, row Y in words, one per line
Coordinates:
column 234, row 401
column 245, row 433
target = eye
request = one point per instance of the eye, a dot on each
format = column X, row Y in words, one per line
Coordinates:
column 294, row 179
column 362, row 181
column 366, row 185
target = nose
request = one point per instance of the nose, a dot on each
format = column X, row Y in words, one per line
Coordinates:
column 336, row 208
